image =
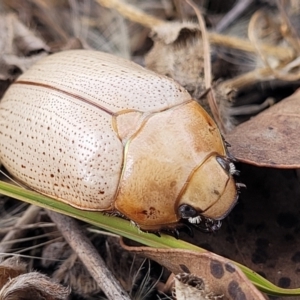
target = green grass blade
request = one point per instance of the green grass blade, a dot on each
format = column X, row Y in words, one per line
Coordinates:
column 126, row 229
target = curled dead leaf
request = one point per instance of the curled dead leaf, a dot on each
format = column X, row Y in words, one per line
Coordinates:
column 33, row 285
column 15, row 283
column 11, row 268
column 271, row 139
column 220, row 275
column 178, row 53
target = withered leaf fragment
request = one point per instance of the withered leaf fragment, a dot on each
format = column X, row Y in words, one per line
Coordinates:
column 10, row 268
column 33, row 285
column 218, row 273
column 178, row 53
column 271, row 139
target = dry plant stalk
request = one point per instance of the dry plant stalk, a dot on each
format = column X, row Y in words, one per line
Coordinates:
column 225, row 91
column 207, row 67
column 281, row 70
column 132, row 13
column 28, row 217
column 138, row 16
column 79, row 242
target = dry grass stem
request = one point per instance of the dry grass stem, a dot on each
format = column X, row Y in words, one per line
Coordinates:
column 138, row 16
column 207, row 66
column 247, row 79
column 131, row 13
column 237, row 10
column 79, row 242
column 26, row 226
column 282, row 53
column 28, row 217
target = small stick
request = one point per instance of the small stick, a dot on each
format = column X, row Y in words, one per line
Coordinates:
column 79, row 242
column 207, row 66
column 247, row 79
column 282, row 53
column 131, row 12
column 239, row 8
column 136, row 15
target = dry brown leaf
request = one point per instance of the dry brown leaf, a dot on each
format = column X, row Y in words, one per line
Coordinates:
column 33, row 285
column 219, row 274
column 10, row 268
column 270, row 139
column 178, row 53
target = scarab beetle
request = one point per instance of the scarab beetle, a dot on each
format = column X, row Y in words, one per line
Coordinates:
column 102, row 133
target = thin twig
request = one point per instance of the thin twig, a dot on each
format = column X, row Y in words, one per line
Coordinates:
column 26, row 226
column 207, row 66
column 292, row 36
column 79, row 242
column 247, row 79
column 282, row 53
column 238, row 9
column 132, row 13
column 135, row 15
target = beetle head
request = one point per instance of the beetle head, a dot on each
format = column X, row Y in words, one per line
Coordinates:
column 209, row 194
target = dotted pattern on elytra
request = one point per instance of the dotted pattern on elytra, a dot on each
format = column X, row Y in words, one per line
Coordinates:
column 111, row 81
column 60, row 146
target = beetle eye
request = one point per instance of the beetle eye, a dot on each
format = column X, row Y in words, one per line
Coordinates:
column 186, row 211
column 227, row 165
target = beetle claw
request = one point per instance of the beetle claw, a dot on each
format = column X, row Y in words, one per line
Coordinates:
column 157, row 233
column 183, row 228
column 240, row 185
column 175, row 230
column 187, row 229
column 176, row 233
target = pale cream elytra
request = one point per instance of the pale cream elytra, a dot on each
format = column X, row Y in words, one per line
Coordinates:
column 101, row 133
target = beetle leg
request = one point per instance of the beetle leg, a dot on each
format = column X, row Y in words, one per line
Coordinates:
column 227, row 165
column 213, row 225
column 240, row 185
column 184, row 226
column 157, row 233
column 189, row 230
column 176, row 229
column 176, row 233
column 231, row 157
column 208, row 225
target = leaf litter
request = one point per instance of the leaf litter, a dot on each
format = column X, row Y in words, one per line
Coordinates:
column 248, row 77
